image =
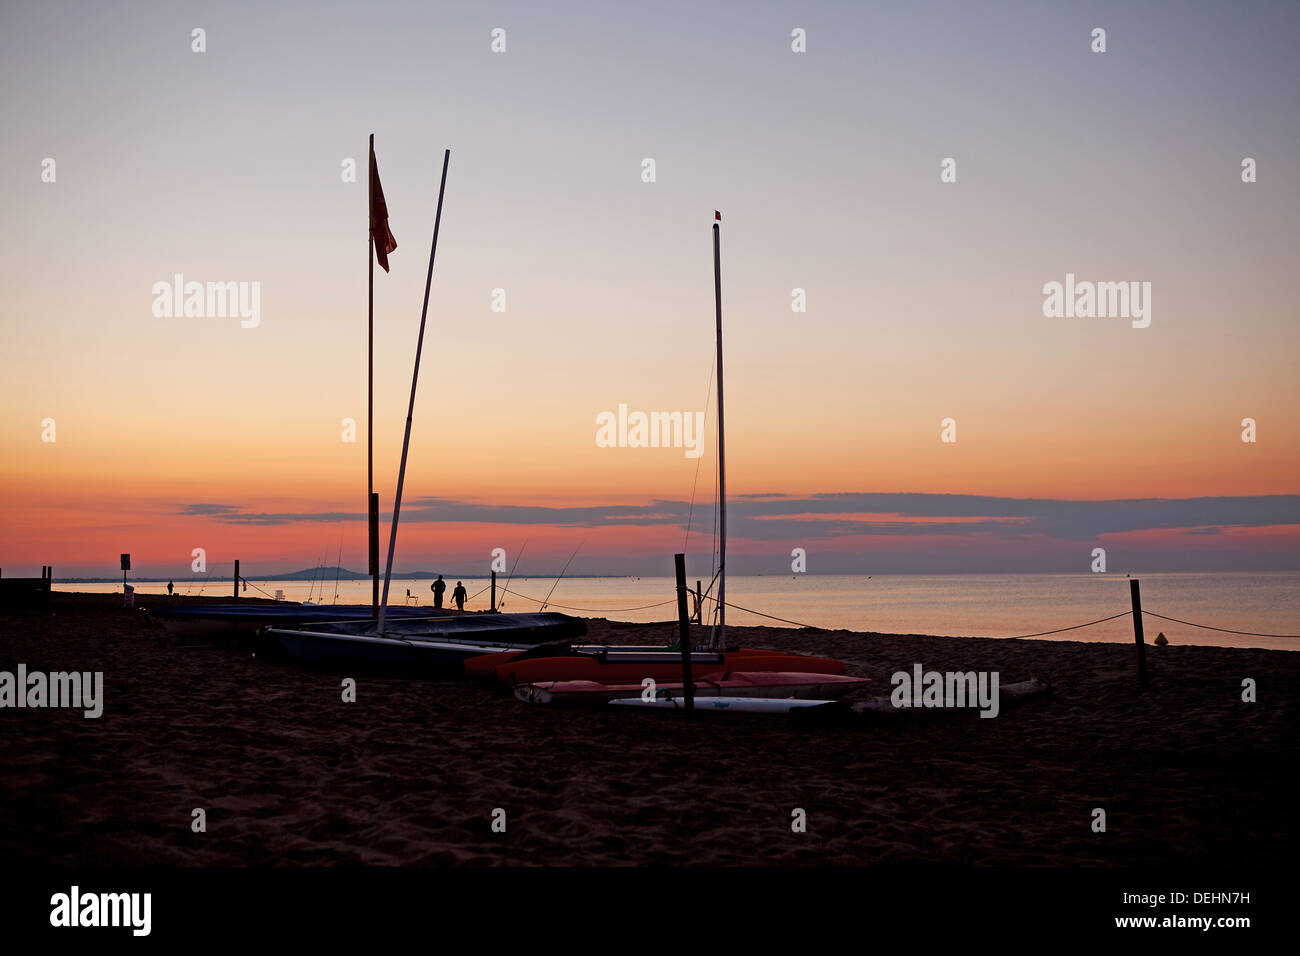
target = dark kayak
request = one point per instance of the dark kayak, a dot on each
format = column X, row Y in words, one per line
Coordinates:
column 221, row 620
column 262, row 615
column 412, row 645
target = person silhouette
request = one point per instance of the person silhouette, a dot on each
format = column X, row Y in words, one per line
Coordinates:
column 459, row 596
column 437, row 587
column 170, row 587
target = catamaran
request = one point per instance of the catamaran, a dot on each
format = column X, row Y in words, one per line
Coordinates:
column 614, row 664
column 410, row 643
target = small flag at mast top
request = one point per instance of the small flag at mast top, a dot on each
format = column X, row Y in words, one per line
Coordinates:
column 717, row 215
column 379, row 231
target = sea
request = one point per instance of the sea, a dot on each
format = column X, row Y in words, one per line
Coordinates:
column 1265, row 604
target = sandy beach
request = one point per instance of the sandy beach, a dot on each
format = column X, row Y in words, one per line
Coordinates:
column 411, row 772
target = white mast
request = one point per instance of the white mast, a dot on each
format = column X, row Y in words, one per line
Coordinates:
column 718, row 637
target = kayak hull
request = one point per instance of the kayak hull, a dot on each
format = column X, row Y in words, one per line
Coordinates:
column 322, row 649
column 223, row 620
column 732, row 705
column 778, row 684
column 613, row 666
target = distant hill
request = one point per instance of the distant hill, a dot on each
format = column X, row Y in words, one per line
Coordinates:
column 345, row 575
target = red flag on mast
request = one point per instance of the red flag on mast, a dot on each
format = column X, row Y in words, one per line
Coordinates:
column 379, row 231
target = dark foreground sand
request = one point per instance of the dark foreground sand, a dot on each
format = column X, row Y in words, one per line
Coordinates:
column 411, row 773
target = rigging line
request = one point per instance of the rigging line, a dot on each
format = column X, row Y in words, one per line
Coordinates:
column 561, row 577
column 338, row 565
column 595, row 610
column 1222, row 629
column 315, row 576
column 324, row 556
column 511, row 575
column 255, row 587
column 713, row 581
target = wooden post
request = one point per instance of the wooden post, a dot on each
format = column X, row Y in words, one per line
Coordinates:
column 374, row 551
column 236, row 579
column 1136, row 595
column 493, row 605
column 684, row 624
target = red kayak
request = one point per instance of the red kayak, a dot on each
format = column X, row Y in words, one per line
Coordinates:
column 771, row 684
column 616, row 665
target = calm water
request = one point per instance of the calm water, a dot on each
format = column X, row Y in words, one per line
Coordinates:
column 986, row 605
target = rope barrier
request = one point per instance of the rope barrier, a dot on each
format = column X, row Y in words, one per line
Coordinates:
column 1073, row 627
column 784, row 620
column 1058, row 630
column 1211, row 628
column 797, row 623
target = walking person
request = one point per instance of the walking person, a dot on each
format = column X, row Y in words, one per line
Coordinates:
column 437, row 587
column 459, row 596
column 170, row 588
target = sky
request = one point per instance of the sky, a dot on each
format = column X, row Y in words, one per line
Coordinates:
column 924, row 299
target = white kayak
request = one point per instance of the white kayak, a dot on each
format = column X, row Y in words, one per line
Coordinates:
column 778, row 684
column 735, row 705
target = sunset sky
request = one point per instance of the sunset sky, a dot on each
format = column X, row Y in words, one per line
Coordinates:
column 924, row 299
